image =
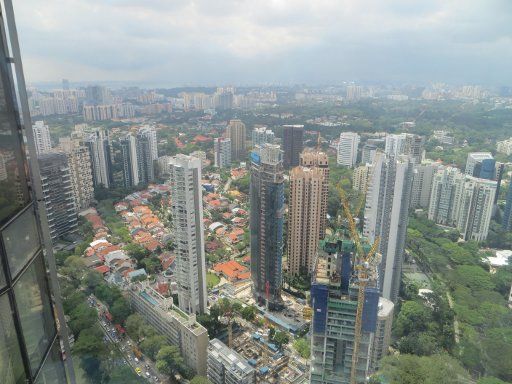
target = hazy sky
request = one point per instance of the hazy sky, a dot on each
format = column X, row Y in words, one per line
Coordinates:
column 179, row 42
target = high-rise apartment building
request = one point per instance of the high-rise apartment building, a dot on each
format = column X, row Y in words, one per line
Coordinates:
column 42, row 137
column 98, row 95
column 262, row 135
column 348, row 148
column 507, row 216
column 361, row 177
column 266, row 223
column 293, row 136
column 99, row 147
column 382, row 338
column 386, row 216
column 30, row 301
column 481, row 165
column 504, row 146
column 80, row 167
column 423, row 175
column 147, row 153
column 304, row 217
column 334, row 300
column 368, row 153
column 405, row 144
column 58, row 194
column 236, row 132
column 462, row 201
column 354, row 92
column 222, row 152
column 318, row 159
column 130, row 160
column 226, row 366
column 187, row 220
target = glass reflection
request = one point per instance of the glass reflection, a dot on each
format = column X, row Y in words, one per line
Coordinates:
column 11, row 365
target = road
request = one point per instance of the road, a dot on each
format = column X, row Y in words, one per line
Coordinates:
column 124, row 345
column 228, row 184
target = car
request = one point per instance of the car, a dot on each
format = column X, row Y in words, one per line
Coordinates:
column 147, row 374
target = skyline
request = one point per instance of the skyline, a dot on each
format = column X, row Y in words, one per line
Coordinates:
column 285, row 42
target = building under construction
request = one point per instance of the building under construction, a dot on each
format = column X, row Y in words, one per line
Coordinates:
column 341, row 321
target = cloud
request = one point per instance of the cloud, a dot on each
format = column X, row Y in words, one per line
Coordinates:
column 244, row 41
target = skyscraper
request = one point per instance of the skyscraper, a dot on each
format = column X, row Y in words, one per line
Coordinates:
column 147, row 153
column 29, row 340
column 305, row 206
column 42, row 137
column 361, row 177
column 382, row 339
column 481, row 165
column 80, row 167
column 444, row 194
column 507, row 216
column 266, row 223
column 386, row 217
column 318, row 159
column 98, row 143
column 334, row 300
column 58, row 194
column 130, row 160
column 222, row 152
column 405, row 144
column 347, row 149
column 187, row 221
column 292, row 144
column 262, row 135
column 236, row 132
column 368, row 153
column 423, row 175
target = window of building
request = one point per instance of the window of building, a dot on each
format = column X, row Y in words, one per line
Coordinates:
column 53, row 368
column 35, row 311
column 21, row 241
column 11, row 365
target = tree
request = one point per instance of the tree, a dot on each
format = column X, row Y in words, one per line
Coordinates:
column 413, row 317
column 107, row 293
column 134, row 326
column 302, row 347
column 248, row 313
column 91, row 280
column 123, row 374
column 120, row 310
column 90, row 343
column 136, row 251
column 72, row 301
column 490, row 380
column 200, row 380
column 82, row 317
column 497, row 345
column 169, row 360
column 152, row 345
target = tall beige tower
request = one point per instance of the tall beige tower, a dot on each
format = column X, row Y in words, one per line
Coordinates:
column 304, row 218
column 236, row 132
column 311, row 159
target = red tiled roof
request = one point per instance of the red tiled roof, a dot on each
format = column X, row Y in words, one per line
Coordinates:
column 232, row 270
column 102, row 269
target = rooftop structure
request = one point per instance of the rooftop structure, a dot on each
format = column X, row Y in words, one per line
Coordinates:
column 225, row 366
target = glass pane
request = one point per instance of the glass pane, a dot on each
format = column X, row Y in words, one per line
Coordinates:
column 11, row 365
column 53, row 369
column 21, row 241
column 13, row 188
column 35, row 312
column 2, row 276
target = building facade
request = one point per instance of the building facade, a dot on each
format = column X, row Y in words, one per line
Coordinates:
column 386, row 217
column 236, row 132
column 507, row 215
column 225, row 366
column 180, row 329
column 262, row 135
column 292, row 144
column 304, row 217
column 58, row 194
column 222, row 152
column 423, row 175
column 368, row 153
column 361, row 177
column 348, row 146
column 128, row 146
column 80, row 167
column 382, row 338
column 30, row 303
column 147, row 154
column 334, row 300
column 42, row 137
column 318, row 159
column 99, row 147
column 187, row 221
column 405, row 144
column 266, row 223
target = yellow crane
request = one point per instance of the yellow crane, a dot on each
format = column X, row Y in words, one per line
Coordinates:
column 365, row 267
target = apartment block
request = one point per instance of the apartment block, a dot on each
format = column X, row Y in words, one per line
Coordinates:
column 348, row 146
column 225, row 366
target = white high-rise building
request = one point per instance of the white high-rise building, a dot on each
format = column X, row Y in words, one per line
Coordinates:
column 405, row 144
column 187, row 220
column 225, row 366
column 422, row 183
column 505, row 146
column 130, row 160
column 262, row 135
column 462, row 201
column 222, row 152
column 42, row 137
column 386, row 217
column 98, row 143
column 147, row 153
column 361, row 177
column 347, row 149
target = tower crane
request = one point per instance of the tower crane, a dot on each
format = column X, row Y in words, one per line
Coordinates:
column 365, row 267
